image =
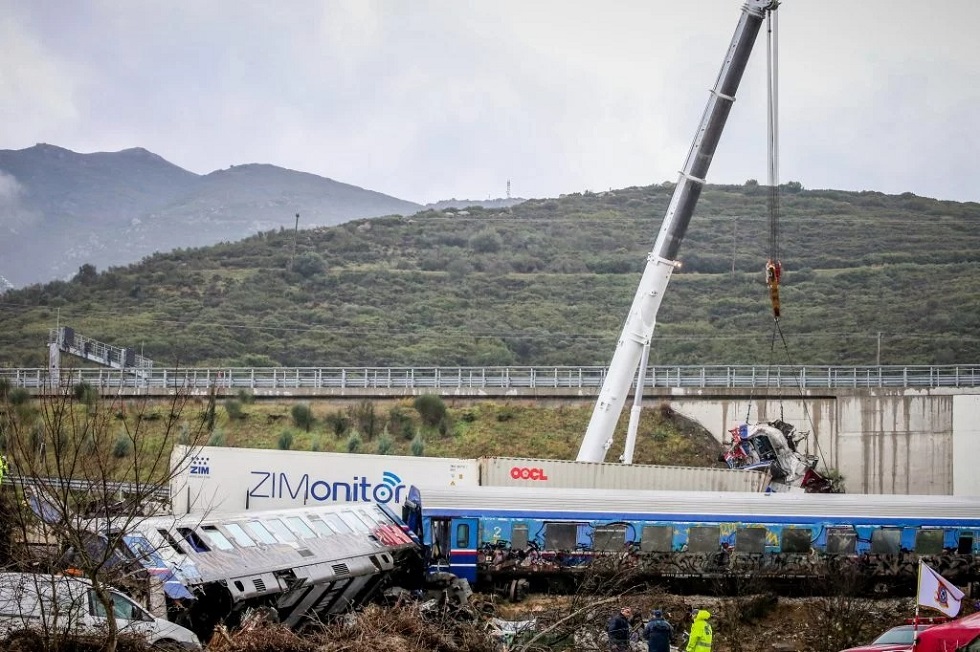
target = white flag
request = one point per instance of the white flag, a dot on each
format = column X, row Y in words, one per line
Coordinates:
column 936, row 592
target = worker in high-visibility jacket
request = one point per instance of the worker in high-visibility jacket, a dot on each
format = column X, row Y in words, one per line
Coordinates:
column 3, row 467
column 700, row 638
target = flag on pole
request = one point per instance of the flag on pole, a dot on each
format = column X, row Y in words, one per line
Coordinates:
column 936, row 592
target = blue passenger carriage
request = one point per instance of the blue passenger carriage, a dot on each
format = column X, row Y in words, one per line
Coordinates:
column 498, row 536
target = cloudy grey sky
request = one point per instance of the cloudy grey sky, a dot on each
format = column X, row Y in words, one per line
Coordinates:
column 431, row 99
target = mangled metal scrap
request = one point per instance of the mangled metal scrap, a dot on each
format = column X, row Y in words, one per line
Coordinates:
column 774, row 446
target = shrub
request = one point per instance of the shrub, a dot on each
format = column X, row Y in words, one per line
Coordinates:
column 246, row 397
column 353, row 442
column 309, row 264
column 315, row 445
column 338, row 422
column 234, row 409
column 184, row 434
column 302, row 416
column 486, row 241
column 5, row 386
column 365, row 418
column 285, row 440
column 385, row 443
column 431, row 408
column 418, row 445
column 85, row 393
column 18, row 396
column 445, row 426
column 401, row 422
column 123, row 446
column 217, row 437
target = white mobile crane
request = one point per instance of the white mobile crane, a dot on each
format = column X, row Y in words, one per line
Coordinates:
column 634, row 342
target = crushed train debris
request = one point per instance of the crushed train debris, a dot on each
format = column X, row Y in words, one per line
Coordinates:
column 774, row 446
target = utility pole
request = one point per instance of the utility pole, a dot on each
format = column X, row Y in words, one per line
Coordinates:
column 879, row 348
column 292, row 254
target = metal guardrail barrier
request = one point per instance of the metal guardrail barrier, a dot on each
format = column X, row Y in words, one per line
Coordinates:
column 477, row 378
column 157, row 492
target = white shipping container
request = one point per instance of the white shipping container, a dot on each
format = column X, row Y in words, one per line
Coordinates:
column 215, row 479
column 520, row 472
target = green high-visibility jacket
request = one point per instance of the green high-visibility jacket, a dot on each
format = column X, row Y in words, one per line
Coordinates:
column 700, row 638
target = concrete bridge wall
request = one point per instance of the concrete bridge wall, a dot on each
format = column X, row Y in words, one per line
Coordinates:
column 903, row 441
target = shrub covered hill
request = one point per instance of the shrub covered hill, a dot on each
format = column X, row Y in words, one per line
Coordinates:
column 545, row 282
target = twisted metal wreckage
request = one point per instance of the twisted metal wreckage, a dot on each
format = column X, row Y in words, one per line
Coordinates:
column 306, row 564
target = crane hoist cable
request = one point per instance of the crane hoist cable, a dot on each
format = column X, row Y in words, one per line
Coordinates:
column 774, row 266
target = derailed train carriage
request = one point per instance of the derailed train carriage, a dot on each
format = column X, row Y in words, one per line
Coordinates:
column 546, row 539
column 306, row 563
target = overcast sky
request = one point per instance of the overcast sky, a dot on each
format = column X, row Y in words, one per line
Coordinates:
column 427, row 100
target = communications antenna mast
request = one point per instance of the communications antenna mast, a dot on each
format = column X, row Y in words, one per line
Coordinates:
column 642, row 318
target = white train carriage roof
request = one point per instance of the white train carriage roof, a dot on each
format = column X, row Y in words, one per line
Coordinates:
column 354, row 538
column 612, row 504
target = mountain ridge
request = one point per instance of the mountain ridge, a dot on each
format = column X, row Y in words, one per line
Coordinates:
column 868, row 277
column 60, row 209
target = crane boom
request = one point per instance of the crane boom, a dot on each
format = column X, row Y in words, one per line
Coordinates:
column 642, row 317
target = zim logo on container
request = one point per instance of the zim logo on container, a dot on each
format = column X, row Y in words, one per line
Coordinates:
column 199, row 465
column 528, row 473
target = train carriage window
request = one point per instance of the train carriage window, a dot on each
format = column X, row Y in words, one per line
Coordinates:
column 841, row 541
column 518, row 536
column 216, row 538
column 193, row 539
column 169, row 538
column 375, row 515
column 929, row 542
column 703, row 538
column 886, row 541
column 750, row 540
column 609, row 538
column 237, row 533
column 463, row 535
column 279, row 529
column 353, row 522
column 369, row 522
column 337, row 524
column 322, row 527
column 965, row 545
column 657, row 538
column 560, row 536
column 261, row 533
column 299, row 526
column 795, row 540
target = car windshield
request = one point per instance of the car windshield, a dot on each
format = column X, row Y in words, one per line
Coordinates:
column 895, row 635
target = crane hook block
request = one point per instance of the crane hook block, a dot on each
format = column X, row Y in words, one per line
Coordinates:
column 774, row 270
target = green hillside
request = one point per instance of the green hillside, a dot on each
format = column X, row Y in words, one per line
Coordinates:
column 546, row 282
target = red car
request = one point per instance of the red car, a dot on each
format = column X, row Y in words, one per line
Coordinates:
column 896, row 639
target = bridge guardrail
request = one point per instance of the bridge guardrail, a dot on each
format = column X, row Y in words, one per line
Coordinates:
column 475, row 378
column 156, row 491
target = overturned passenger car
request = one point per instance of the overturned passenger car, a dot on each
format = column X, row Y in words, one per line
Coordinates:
column 307, row 564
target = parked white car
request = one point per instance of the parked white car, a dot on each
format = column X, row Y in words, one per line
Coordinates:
column 61, row 606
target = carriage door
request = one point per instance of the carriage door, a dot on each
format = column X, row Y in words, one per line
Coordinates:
column 464, row 548
column 440, row 546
